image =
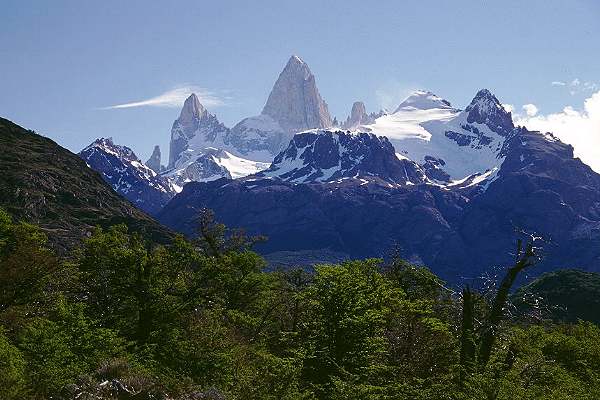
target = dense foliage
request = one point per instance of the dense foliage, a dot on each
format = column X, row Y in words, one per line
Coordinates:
column 121, row 317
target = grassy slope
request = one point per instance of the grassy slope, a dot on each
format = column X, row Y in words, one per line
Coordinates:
column 45, row 184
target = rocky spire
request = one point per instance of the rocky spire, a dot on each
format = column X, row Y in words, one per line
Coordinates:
column 192, row 110
column 295, row 102
column 357, row 116
column 193, row 120
column 154, row 161
column 486, row 109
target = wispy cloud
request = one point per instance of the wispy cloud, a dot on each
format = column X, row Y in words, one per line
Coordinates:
column 174, row 98
column 579, row 128
column 576, row 86
column 392, row 93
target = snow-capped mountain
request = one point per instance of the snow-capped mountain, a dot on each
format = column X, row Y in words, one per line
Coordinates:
column 213, row 163
column 330, row 156
column 202, row 148
column 194, row 130
column 345, row 194
column 125, row 172
column 449, row 144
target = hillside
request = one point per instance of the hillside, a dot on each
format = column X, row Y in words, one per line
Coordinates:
column 45, row 184
column 565, row 295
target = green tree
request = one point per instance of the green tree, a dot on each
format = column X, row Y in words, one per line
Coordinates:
column 12, row 370
column 347, row 308
column 25, row 262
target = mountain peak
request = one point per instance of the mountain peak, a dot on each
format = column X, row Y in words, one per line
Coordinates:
column 295, row 102
column 294, row 59
column 484, row 98
column 107, row 145
column 192, row 108
column 486, row 109
column 423, row 100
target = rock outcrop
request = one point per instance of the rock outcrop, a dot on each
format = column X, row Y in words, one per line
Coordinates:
column 154, row 162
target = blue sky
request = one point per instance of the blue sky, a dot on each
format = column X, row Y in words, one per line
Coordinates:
column 63, row 62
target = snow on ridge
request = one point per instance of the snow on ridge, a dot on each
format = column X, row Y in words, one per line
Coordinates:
column 437, row 131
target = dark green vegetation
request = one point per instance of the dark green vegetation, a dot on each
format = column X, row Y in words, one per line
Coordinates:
column 121, row 315
column 44, row 184
column 565, row 296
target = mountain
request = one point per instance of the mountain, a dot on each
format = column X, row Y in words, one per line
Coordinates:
column 449, row 144
column 294, row 105
column 193, row 131
column 295, row 102
column 202, row 148
column 329, row 156
column 128, row 176
column 343, row 194
column 45, row 184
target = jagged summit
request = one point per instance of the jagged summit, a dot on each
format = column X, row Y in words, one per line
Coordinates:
column 195, row 123
column 295, row 102
column 107, row 145
column 486, row 109
column 125, row 172
column 192, row 109
column 424, row 100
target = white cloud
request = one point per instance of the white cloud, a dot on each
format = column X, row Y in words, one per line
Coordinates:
column 174, row 99
column 558, row 83
column 530, row 109
column 508, row 107
column 579, row 128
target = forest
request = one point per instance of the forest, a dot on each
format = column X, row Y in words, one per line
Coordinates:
column 122, row 317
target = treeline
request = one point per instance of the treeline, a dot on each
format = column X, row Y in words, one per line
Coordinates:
column 122, row 318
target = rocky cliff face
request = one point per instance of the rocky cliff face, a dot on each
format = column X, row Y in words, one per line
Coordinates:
column 295, row 102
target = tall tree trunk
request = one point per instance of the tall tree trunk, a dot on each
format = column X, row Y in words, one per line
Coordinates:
column 524, row 259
